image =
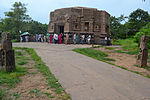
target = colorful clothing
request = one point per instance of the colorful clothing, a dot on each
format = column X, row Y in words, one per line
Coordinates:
column 60, row 40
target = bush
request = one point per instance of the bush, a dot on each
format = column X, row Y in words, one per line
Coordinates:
column 143, row 31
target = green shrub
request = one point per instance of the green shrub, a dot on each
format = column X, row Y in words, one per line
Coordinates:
column 143, row 31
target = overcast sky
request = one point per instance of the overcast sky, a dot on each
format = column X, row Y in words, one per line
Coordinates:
column 39, row 9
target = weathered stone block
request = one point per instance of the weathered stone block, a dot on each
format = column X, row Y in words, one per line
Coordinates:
column 143, row 53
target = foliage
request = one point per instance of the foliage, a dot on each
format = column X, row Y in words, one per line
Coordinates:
column 118, row 30
column 96, row 54
column 143, row 31
column 17, row 20
column 128, row 46
column 137, row 19
column 34, row 27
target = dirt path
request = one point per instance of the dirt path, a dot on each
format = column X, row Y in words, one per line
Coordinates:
column 88, row 79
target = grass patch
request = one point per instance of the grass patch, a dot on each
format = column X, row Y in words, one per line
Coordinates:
column 2, row 94
column 21, row 60
column 36, row 92
column 96, row 54
column 16, row 95
column 128, row 46
column 18, row 53
column 98, row 46
column 110, row 48
column 12, row 78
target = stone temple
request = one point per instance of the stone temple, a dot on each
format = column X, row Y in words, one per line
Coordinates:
column 81, row 20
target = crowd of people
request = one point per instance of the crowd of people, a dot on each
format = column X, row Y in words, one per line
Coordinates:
column 67, row 38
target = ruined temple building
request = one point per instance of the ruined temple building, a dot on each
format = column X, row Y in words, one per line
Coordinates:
column 81, row 20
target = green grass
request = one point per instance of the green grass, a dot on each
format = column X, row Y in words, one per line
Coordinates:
column 36, row 92
column 128, row 46
column 16, row 95
column 96, row 54
column 18, row 53
column 2, row 94
column 12, row 78
column 110, row 48
column 98, row 46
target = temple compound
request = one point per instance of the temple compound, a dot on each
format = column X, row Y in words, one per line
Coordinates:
column 81, row 20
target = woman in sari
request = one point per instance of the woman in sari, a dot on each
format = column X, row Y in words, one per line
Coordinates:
column 60, row 39
column 51, row 37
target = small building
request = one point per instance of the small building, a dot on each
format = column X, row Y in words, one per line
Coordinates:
column 81, row 20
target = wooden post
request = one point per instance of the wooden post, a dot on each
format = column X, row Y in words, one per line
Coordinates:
column 143, row 53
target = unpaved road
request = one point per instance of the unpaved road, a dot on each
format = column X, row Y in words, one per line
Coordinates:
column 89, row 79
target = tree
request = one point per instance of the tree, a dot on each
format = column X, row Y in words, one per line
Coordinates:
column 16, row 17
column 34, row 27
column 143, row 31
column 137, row 19
column 118, row 30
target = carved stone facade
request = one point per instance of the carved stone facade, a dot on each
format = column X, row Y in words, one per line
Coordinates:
column 80, row 20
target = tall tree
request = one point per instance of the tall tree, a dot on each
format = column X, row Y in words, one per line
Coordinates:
column 118, row 29
column 16, row 17
column 138, row 19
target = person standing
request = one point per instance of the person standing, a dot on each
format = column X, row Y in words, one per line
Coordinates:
column 56, row 38
column 39, row 37
column 51, row 38
column 60, row 40
column 27, row 38
column 67, row 38
column 45, row 38
column 82, row 39
column 74, row 38
column 89, row 39
column 62, row 37
column 77, row 39
column 36, row 36
column 21, row 39
column 48, row 37
column 105, row 41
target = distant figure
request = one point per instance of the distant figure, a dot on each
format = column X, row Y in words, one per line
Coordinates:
column 77, row 39
column 89, row 39
column 82, row 39
column 27, row 38
column 21, row 39
column 105, row 41
column 42, row 38
column 74, row 38
column 114, row 41
column 48, row 37
column 45, row 38
column 36, row 36
column 51, row 38
column 55, row 38
column 39, row 37
column 67, row 38
column 60, row 39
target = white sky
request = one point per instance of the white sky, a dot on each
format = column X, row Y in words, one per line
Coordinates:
column 39, row 9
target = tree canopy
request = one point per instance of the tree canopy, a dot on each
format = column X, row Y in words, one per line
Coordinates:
column 17, row 20
column 124, row 27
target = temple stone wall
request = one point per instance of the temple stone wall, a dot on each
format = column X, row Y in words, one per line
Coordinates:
column 80, row 20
